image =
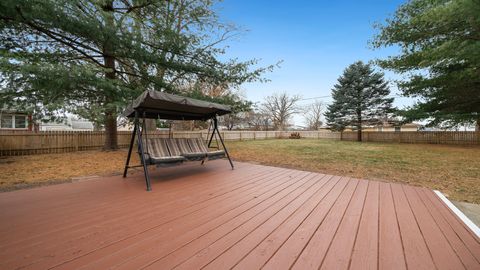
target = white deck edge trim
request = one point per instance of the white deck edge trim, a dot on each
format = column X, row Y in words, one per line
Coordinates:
column 474, row 228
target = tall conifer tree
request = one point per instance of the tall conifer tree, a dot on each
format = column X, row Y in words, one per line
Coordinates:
column 360, row 98
column 91, row 57
column 439, row 57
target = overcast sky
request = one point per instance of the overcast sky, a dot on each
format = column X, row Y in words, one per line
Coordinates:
column 316, row 40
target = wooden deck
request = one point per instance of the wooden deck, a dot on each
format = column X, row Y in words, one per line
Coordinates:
column 215, row 218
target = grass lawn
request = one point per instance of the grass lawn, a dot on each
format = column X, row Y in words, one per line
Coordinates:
column 454, row 170
column 26, row 171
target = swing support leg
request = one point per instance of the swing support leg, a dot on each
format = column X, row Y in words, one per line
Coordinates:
column 132, row 140
column 215, row 128
column 142, row 153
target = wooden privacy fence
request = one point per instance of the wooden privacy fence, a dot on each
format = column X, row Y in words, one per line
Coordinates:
column 430, row 137
column 25, row 143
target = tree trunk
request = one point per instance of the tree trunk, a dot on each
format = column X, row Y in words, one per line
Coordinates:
column 111, row 141
column 477, row 126
column 359, row 126
column 110, row 112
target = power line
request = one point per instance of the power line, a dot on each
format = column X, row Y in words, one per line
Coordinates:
column 329, row 96
column 316, row 97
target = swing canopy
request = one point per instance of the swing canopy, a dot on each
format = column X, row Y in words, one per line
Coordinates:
column 156, row 104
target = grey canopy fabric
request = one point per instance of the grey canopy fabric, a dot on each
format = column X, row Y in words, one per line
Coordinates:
column 155, row 104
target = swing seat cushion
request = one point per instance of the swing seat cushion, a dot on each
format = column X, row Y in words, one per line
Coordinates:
column 175, row 159
column 188, row 152
column 179, row 147
column 158, row 152
column 216, row 154
column 198, row 143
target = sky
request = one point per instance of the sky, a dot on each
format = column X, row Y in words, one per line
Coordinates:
column 315, row 40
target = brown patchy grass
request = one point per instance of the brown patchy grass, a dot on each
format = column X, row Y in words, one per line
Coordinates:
column 26, row 171
column 454, row 170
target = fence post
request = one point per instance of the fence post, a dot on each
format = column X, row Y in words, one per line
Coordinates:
column 240, row 135
column 76, row 141
column 254, row 135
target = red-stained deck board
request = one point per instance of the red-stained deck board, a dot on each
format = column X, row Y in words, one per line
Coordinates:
column 215, row 218
column 365, row 251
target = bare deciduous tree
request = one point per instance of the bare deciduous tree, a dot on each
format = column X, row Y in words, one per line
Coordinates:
column 313, row 114
column 257, row 120
column 280, row 107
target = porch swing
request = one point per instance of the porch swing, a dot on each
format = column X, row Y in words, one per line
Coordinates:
column 164, row 152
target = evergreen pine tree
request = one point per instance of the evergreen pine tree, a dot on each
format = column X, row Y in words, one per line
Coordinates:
column 91, row 57
column 359, row 98
column 439, row 43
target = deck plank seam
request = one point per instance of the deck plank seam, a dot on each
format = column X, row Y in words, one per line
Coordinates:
column 321, row 222
column 398, row 226
column 459, row 214
column 287, row 218
column 440, row 228
column 462, row 239
column 358, row 226
column 378, row 227
column 310, row 174
column 238, row 225
column 308, row 242
column 175, row 186
column 419, row 227
column 330, row 177
column 339, row 223
column 339, row 180
column 420, row 212
column 142, row 232
column 147, row 212
column 109, row 206
column 315, row 181
column 286, row 182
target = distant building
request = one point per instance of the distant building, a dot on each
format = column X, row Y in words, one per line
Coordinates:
column 70, row 123
column 296, row 127
column 409, row 127
column 15, row 120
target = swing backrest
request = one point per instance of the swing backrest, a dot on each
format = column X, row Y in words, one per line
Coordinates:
column 173, row 147
column 158, row 147
column 198, row 145
column 183, row 146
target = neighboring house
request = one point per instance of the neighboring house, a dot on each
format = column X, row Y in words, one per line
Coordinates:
column 409, row 127
column 71, row 124
column 15, row 120
column 295, row 127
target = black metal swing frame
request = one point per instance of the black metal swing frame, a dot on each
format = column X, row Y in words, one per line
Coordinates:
column 140, row 128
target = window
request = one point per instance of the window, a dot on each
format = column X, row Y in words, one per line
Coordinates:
column 6, row 121
column 13, row 121
column 20, row 121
